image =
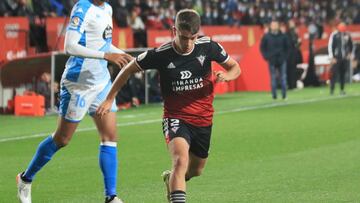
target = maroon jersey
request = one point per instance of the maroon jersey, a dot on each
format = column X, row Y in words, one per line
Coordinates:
column 186, row 80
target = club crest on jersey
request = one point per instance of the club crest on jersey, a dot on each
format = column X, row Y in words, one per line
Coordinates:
column 75, row 21
column 107, row 32
column 171, row 66
column 174, row 129
column 201, row 59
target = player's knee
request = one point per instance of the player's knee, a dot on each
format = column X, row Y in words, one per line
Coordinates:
column 108, row 137
column 180, row 162
column 61, row 141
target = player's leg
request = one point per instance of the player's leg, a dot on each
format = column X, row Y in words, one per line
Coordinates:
column 179, row 151
column 106, row 126
column 45, row 151
column 196, row 166
column 73, row 107
column 199, row 150
column 177, row 137
column 48, row 147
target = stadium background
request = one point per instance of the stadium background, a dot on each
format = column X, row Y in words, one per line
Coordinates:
column 300, row 150
column 32, row 28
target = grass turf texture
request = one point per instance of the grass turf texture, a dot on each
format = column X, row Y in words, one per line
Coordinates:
column 305, row 149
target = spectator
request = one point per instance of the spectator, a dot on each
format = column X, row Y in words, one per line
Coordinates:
column 154, row 86
column 167, row 18
column 43, row 87
column 42, row 8
column 274, row 48
column 154, row 21
column 294, row 58
column 340, row 47
column 6, row 9
column 207, row 18
column 129, row 95
column 120, row 12
column 58, row 7
column 138, row 28
column 22, row 9
column 68, row 4
column 37, row 32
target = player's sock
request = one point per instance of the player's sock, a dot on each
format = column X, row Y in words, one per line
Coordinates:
column 45, row 151
column 108, row 165
column 178, row 196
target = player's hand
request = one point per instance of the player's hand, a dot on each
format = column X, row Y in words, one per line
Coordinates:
column 119, row 59
column 104, row 108
column 221, row 76
column 333, row 60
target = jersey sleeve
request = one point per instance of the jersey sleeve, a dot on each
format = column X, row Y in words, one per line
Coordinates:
column 77, row 17
column 218, row 53
column 147, row 60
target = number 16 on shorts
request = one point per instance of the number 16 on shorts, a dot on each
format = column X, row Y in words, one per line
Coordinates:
column 80, row 101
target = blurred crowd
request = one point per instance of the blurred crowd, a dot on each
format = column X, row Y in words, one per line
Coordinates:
column 160, row 13
column 141, row 15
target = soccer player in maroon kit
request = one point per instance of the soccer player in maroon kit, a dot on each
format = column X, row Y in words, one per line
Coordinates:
column 187, row 86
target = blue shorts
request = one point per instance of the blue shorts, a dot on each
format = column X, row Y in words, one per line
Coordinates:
column 77, row 99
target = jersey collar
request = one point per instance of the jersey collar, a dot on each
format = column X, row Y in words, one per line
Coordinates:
column 186, row 54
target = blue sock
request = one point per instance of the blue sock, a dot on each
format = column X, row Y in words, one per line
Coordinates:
column 45, row 151
column 108, row 165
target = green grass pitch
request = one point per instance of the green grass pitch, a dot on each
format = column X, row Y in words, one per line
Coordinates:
column 305, row 149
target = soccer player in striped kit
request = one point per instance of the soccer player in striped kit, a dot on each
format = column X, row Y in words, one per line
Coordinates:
column 187, row 85
column 84, row 85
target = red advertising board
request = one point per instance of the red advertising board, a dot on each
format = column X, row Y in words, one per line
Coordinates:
column 235, row 40
column 13, row 38
column 122, row 37
column 55, row 30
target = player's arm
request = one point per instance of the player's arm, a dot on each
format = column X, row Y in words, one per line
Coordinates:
column 119, row 82
column 232, row 71
column 72, row 47
column 218, row 54
column 116, row 51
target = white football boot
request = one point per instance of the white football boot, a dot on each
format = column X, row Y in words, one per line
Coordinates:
column 116, row 200
column 166, row 178
column 24, row 190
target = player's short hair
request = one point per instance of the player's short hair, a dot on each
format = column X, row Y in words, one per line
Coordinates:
column 189, row 20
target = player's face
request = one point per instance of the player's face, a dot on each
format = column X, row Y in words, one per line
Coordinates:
column 99, row 2
column 184, row 40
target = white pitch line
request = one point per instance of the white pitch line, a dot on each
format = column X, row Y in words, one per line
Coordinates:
column 78, row 130
column 263, row 106
column 284, row 103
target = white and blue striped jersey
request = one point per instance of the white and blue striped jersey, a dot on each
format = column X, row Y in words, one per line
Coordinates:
column 94, row 25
